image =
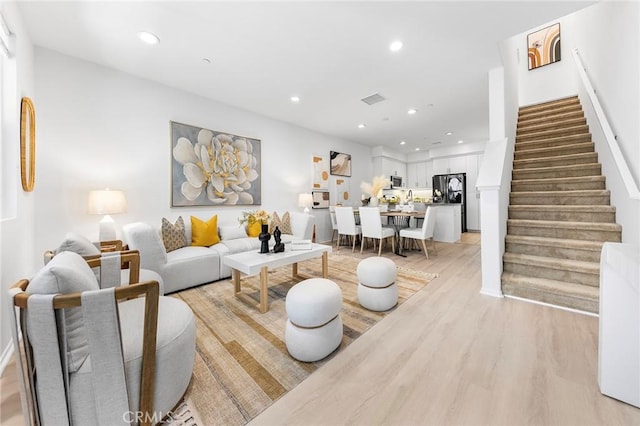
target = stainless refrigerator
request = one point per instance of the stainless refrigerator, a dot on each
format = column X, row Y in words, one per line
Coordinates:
column 454, row 191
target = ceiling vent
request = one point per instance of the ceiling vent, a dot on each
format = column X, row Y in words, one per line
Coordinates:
column 436, row 143
column 373, row 99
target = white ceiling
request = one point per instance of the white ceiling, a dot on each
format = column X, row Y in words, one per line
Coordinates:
column 331, row 54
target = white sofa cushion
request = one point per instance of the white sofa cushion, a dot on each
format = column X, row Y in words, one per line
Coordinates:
column 78, row 244
column 190, row 266
column 232, row 232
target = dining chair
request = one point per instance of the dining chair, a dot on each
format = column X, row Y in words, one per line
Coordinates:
column 371, row 223
column 334, row 223
column 422, row 234
column 347, row 225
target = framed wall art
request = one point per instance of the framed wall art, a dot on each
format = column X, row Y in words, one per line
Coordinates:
column 320, row 172
column 341, row 191
column 210, row 168
column 340, row 164
column 544, row 46
column 320, row 199
column 27, row 144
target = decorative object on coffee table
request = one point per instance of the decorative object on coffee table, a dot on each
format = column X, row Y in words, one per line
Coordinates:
column 279, row 247
column 264, row 238
column 254, row 219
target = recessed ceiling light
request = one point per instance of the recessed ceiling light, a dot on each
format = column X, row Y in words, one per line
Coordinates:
column 412, row 111
column 449, row 133
column 417, row 149
column 460, row 141
column 361, row 126
column 148, row 37
column 395, row 46
column 295, row 99
column 402, row 142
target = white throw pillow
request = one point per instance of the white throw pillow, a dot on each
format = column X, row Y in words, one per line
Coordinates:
column 78, row 244
column 68, row 273
column 232, row 232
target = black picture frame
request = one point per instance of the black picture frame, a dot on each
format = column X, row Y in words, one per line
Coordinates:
column 340, row 163
column 320, row 199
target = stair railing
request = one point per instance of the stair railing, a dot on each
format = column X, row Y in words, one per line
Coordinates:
column 587, row 91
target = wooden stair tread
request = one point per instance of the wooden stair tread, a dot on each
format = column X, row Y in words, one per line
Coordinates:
column 565, row 225
column 553, row 263
column 560, row 180
column 556, row 242
column 555, row 148
column 557, row 158
column 570, row 193
column 572, row 289
column 564, row 208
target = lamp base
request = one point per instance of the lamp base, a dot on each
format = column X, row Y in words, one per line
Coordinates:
column 107, row 229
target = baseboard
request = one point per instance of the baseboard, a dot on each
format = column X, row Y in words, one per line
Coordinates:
column 492, row 293
column 6, row 357
column 563, row 308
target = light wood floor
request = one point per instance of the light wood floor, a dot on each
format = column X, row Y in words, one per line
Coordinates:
column 448, row 355
column 451, row 356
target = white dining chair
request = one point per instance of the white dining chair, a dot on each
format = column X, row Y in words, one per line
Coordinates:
column 347, row 225
column 334, row 223
column 371, row 224
column 423, row 234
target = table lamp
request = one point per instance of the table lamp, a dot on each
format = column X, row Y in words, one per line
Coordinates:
column 305, row 200
column 107, row 202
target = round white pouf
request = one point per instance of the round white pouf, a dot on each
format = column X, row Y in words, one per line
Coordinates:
column 377, row 289
column 314, row 326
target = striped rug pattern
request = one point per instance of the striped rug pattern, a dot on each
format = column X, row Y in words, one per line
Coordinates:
column 242, row 365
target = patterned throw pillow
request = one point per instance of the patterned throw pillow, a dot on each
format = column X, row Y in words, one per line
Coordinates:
column 203, row 233
column 173, row 236
column 284, row 224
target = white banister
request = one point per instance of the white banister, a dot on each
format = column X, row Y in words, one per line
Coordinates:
column 620, row 162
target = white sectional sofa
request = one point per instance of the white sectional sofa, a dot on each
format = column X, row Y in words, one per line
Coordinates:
column 190, row 266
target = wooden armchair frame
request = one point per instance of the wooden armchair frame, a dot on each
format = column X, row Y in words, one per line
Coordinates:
column 150, row 290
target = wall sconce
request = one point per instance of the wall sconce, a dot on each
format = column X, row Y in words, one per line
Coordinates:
column 107, row 202
column 305, row 200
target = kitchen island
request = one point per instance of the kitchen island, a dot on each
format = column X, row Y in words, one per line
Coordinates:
column 448, row 227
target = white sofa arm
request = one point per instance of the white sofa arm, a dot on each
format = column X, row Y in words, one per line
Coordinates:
column 142, row 237
column 302, row 225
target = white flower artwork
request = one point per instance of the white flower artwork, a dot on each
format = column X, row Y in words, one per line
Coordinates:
column 211, row 168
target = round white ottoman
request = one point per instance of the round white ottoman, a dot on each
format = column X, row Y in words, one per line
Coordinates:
column 314, row 326
column 377, row 289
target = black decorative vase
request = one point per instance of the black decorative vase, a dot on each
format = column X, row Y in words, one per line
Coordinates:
column 264, row 237
column 279, row 246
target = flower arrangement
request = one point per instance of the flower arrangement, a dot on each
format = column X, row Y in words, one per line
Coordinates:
column 377, row 185
column 253, row 216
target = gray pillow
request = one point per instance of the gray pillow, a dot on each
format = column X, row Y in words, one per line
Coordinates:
column 68, row 273
column 78, row 244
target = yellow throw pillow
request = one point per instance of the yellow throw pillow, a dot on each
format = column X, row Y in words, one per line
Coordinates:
column 254, row 229
column 204, row 234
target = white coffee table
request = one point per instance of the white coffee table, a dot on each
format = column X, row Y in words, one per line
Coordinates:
column 252, row 262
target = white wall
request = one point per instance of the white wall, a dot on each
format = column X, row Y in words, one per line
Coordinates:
column 103, row 128
column 607, row 36
column 16, row 231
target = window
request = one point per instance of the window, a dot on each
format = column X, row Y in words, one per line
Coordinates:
column 9, row 128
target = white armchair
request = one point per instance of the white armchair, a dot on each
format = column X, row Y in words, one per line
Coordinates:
column 91, row 356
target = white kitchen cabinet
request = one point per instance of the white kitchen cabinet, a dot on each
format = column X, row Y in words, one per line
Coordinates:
column 448, row 223
column 440, row 166
column 412, row 176
column 457, row 164
column 423, row 181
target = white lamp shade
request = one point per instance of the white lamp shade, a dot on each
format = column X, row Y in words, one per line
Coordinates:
column 305, row 200
column 106, row 201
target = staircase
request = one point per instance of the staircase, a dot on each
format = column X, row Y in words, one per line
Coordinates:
column 559, row 210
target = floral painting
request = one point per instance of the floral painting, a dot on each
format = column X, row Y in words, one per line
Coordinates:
column 211, row 168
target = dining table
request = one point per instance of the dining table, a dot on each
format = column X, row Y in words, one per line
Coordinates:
column 400, row 219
